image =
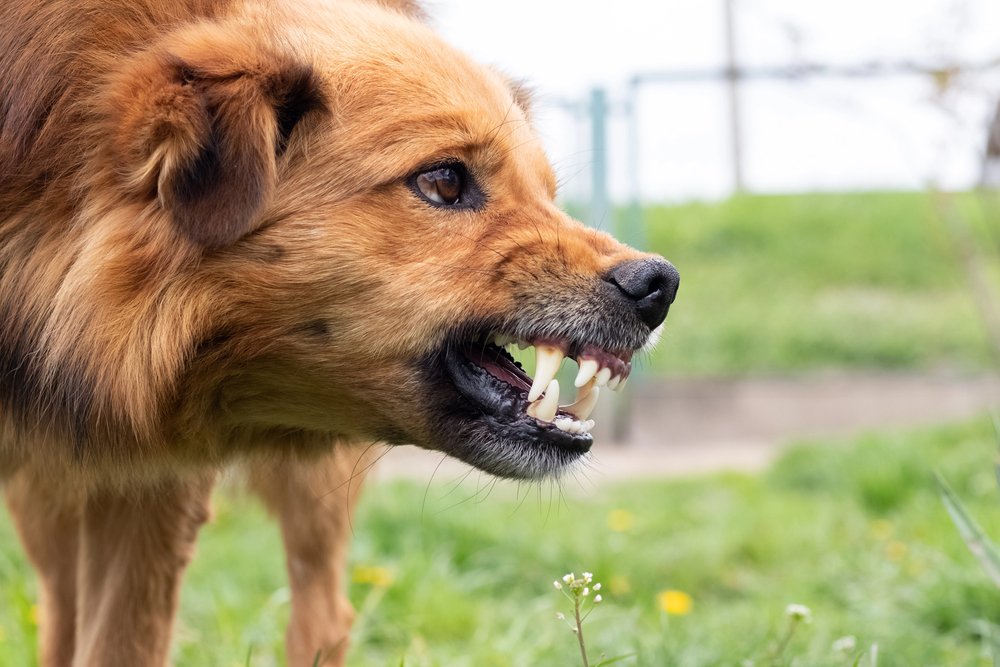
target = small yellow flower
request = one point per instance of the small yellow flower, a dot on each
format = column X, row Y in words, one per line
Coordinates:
column 675, row 603
column 881, row 529
column 379, row 577
column 34, row 614
column 895, row 551
column 619, row 585
column 620, row 521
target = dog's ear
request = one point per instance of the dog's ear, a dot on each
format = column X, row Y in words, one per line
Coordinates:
column 201, row 132
column 521, row 91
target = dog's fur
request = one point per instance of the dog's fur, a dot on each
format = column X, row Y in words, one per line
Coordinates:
column 210, row 251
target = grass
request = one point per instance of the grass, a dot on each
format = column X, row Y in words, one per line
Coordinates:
column 462, row 575
column 792, row 284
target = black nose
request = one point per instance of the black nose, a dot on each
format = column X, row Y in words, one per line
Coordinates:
column 650, row 284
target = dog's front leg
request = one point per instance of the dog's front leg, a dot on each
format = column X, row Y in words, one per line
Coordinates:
column 47, row 516
column 134, row 547
column 313, row 500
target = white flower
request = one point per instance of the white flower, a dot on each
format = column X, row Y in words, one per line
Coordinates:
column 586, row 591
column 568, row 579
column 597, row 598
column 560, row 616
column 799, row 612
column 597, row 587
column 557, row 585
column 845, row 644
column 588, row 577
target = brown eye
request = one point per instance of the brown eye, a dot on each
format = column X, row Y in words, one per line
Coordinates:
column 443, row 185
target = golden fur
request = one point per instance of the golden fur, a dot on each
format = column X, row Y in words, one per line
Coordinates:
column 209, row 251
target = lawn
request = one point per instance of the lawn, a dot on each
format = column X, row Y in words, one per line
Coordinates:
column 792, row 284
column 462, row 575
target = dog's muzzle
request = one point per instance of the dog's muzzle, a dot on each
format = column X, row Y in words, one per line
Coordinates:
column 498, row 418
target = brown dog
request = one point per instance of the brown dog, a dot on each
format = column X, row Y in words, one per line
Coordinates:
column 263, row 230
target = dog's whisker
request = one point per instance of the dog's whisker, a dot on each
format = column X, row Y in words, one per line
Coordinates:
column 427, row 487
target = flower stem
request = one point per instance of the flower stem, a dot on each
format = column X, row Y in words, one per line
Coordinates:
column 783, row 644
column 579, row 634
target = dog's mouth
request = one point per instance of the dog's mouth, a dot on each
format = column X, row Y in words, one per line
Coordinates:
column 514, row 425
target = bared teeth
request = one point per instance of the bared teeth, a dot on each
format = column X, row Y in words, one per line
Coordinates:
column 586, row 400
column 598, row 368
column 588, row 369
column 545, row 409
column 573, row 426
column 567, row 424
column 548, row 359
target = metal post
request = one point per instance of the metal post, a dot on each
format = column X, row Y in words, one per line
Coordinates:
column 990, row 176
column 733, row 77
column 599, row 201
column 633, row 231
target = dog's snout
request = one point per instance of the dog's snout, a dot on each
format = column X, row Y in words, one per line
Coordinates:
column 650, row 284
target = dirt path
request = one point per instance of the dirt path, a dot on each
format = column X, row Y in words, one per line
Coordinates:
column 682, row 427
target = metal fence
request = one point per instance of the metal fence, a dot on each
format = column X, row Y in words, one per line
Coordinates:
column 592, row 117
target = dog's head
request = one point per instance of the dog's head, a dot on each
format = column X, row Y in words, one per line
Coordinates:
column 345, row 222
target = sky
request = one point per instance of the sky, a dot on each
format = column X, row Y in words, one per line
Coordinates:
column 899, row 132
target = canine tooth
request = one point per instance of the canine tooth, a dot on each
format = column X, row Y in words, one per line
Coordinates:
column 588, row 369
column 614, row 382
column 584, row 404
column 602, row 377
column 547, row 362
column 545, row 409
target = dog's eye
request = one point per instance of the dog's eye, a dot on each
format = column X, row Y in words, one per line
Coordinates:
column 442, row 185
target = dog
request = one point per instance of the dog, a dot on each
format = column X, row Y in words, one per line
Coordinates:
column 269, row 232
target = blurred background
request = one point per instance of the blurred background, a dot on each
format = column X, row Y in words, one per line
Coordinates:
column 824, row 175
column 820, row 174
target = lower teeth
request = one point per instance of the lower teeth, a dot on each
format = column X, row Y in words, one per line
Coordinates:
column 573, row 426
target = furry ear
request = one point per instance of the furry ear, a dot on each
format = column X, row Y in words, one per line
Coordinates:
column 202, row 132
column 521, row 91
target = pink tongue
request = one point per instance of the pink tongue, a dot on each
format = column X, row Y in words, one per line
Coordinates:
column 499, row 366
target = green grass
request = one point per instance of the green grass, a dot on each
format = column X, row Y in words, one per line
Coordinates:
column 856, row 531
column 789, row 284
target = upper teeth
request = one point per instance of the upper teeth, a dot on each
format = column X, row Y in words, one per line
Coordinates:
column 586, row 399
column 543, row 396
column 548, row 359
column 588, row 369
